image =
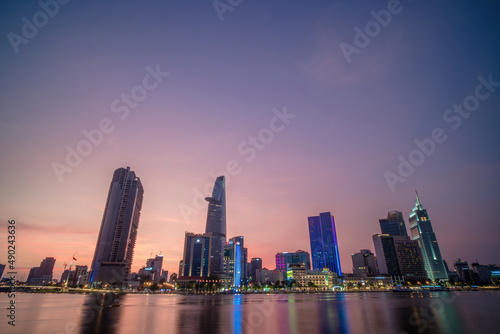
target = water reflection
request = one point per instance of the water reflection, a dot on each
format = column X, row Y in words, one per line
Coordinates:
column 97, row 314
column 443, row 312
column 199, row 314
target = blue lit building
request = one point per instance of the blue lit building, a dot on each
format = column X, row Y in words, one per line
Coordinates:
column 421, row 230
column 233, row 261
column 324, row 247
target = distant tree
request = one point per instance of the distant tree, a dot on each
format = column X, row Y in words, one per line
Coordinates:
column 173, row 277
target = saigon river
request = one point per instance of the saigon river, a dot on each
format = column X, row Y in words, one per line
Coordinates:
column 375, row 312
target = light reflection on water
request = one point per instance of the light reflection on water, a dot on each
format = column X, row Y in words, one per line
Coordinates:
column 443, row 312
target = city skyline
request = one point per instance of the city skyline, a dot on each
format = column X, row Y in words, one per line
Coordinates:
column 214, row 218
column 265, row 97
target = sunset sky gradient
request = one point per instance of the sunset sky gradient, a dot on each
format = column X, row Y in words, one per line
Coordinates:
column 352, row 122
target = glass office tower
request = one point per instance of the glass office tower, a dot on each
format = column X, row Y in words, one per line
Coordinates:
column 394, row 224
column 216, row 224
column 421, row 230
column 324, row 247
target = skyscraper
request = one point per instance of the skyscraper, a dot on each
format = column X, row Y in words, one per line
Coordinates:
column 197, row 259
column 387, row 260
column 324, row 247
column 394, row 224
column 244, row 255
column 421, row 230
column 216, row 224
column 410, row 262
column 115, row 245
column 284, row 259
column 400, row 257
column 233, row 265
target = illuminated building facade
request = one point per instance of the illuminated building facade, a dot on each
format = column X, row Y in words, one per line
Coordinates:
column 196, row 261
column 324, row 247
column 421, row 230
column 233, row 262
column 284, row 259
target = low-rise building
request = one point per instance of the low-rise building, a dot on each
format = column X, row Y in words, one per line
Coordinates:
column 271, row 276
column 367, row 281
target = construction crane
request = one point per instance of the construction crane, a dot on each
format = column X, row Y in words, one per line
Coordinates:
column 70, row 265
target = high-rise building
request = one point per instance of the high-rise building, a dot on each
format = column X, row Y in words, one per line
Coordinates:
column 463, row 271
column 153, row 268
column 400, row 257
column 494, row 272
column 394, row 224
column 481, row 272
column 47, row 266
column 197, row 259
column 387, row 259
column 181, row 267
column 32, row 274
column 284, row 259
column 324, row 247
column 363, row 263
column 410, row 261
column 244, row 256
column 79, row 272
column 256, row 264
column 2, row 268
column 216, row 224
column 233, row 265
column 114, row 251
column 421, row 230
column 43, row 274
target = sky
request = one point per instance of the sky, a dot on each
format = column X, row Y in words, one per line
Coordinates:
column 306, row 107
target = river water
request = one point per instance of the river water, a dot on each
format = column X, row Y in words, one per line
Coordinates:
column 436, row 312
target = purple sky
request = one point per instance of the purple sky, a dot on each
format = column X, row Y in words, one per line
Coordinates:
column 352, row 122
